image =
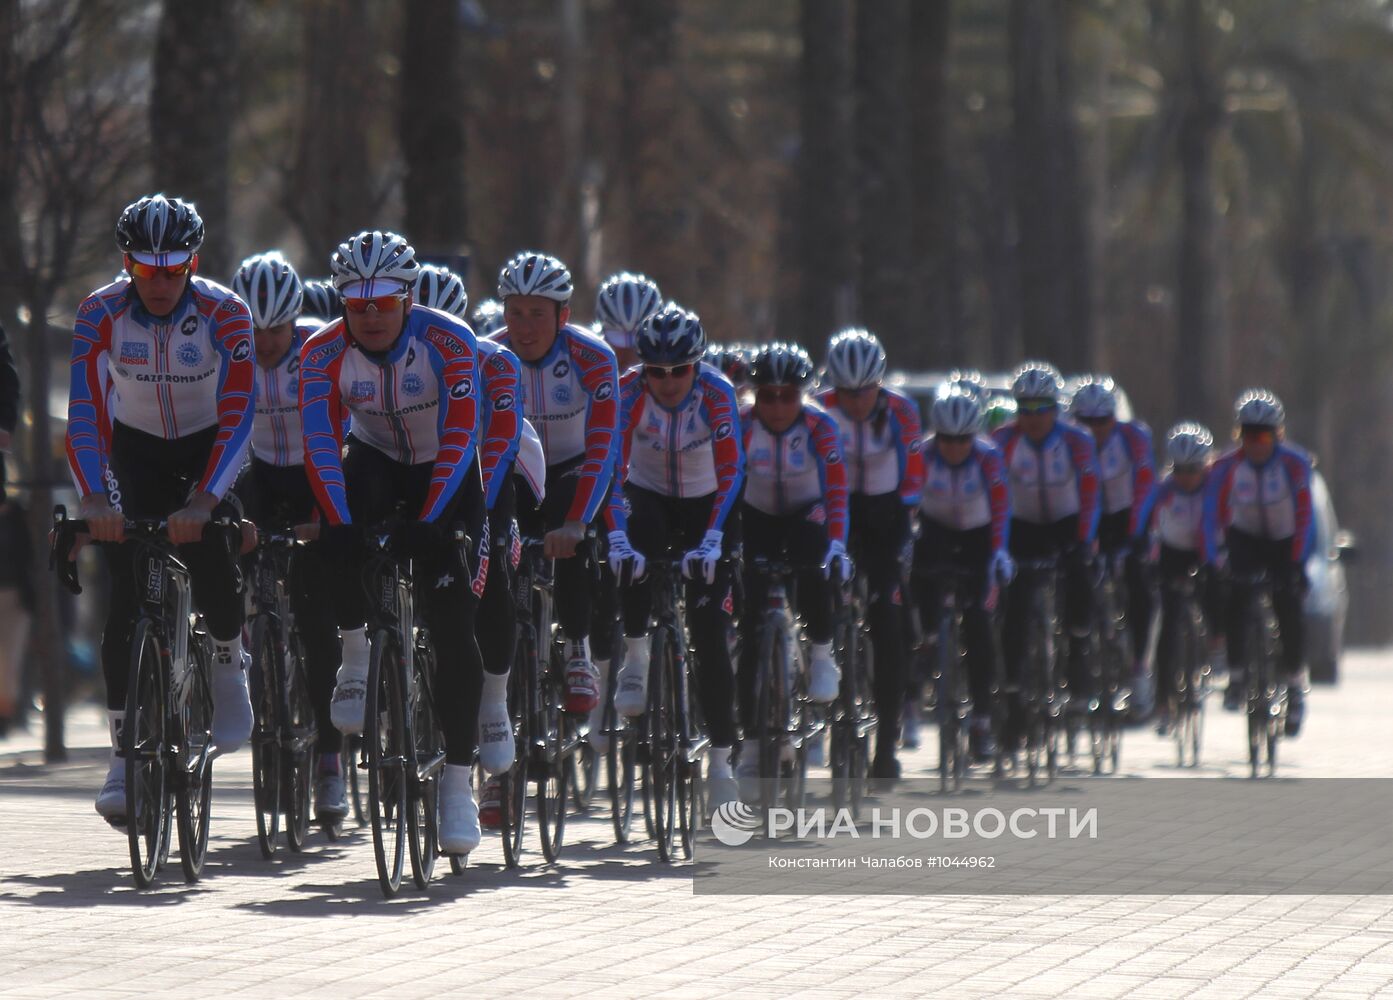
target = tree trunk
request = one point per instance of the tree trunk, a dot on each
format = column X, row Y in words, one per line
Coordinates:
column 192, row 111
column 825, row 220
column 1199, row 354
column 883, row 178
column 651, row 169
column 935, row 217
column 430, row 123
column 1054, row 265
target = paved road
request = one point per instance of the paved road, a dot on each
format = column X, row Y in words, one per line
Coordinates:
column 615, row 922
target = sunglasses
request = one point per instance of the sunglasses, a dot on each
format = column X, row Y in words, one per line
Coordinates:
column 378, row 303
column 675, row 371
column 778, row 394
column 1257, row 433
column 1036, row 406
column 145, row 271
column 1095, row 421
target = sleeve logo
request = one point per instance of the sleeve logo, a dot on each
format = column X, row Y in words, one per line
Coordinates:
column 724, row 431
column 462, row 389
column 504, row 401
column 605, row 391
column 242, row 351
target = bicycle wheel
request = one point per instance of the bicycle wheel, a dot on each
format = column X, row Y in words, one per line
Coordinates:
column 551, row 769
column 771, row 717
column 797, row 727
column 144, row 743
column 388, row 754
column 949, row 721
column 301, row 734
column 662, row 739
column 193, row 794
column 350, row 760
column 619, row 768
column 264, row 680
column 865, row 720
column 423, row 772
column 512, row 788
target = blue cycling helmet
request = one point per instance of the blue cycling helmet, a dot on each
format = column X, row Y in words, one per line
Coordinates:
column 671, row 336
column 781, row 363
column 322, row 299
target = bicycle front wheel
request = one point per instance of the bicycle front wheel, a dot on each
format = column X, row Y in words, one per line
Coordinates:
column 423, row 774
column 266, row 745
column 663, row 744
column 301, row 734
column 144, row 742
column 388, row 757
column 195, row 791
column 553, row 771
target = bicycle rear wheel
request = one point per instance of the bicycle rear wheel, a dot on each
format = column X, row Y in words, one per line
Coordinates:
column 144, row 743
column 195, row 788
column 949, row 696
column 301, row 734
column 423, row 772
column 266, row 745
column 662, row 740
column 771, row 718
column 552, row 772
column 619, row 767
column 388, row 755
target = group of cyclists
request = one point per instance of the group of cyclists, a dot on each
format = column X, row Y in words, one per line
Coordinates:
column 334, row 405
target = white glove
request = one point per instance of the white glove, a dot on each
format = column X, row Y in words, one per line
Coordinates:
column 624, row 557
column 837, row 558
column 705, row 555
column 1002, row 569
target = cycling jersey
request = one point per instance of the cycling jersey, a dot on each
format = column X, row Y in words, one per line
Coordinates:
column 417, row 403
column 1175, row 518
column 1271, row 501
column 571, row 396
column 971, row 495
column 692, row 450
column 882, row 451
column 1127, row 471
column 1054, row 479
column 788, row 472
column 168, row 376
column 277, row 438
column 501, row 420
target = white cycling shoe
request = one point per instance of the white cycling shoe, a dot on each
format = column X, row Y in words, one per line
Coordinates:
column 459, row 813
column 595, row 734
column 232, row 701
column 351, row 688
column 496, row 744
column 111, row 800
column 824, row 677
column 631, row 687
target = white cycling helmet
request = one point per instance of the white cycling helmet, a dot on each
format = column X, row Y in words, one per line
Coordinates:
column 956, row 413
column 968, row 379
column 1259, row 408
column 1189, row 443
column 855, row 359
column 532, row 273
column 271, row 289
column 1037, row 380
column 372, row 263
column 625, row 300
column 1095, row 399
column 487, row 318
column 443, row 289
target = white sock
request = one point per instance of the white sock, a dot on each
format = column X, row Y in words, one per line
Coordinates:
column 825, row 648
column 495, row 686
column 114, row 722
column 355, row 649
column 228, row 654
column 720, row 762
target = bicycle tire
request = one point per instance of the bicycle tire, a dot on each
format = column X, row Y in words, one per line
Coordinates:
column 264, row 680
column 350, row 760
column 948, row 651
column 798, row 726
column 194, row 789
column 387, row 753
column 662, row 760
column 619, row 770
column 552, row 770
column 144, row 741
column 772, row 709
column 423, row 814
column 302, row 734
column 512, row 787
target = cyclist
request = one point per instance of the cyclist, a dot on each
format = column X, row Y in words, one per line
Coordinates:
column 273, row 488
column 1257, row 503
column 965, row 518
column 1173, row 523
column 733, row 361
column 409, row 377
column 969, row 380
column 794, row 507
column 159, row 416
column 487, row 318
column 1052, row 470
column 681, row 467
column 881, row 442
column 1127, row 471
column 998, row 411
column 623, row 302
column 570, row 393
column 321, row 300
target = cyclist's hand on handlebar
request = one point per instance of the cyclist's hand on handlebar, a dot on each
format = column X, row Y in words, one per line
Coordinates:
column 187, row 525
column 307, row 532
column 561, row 543
column 1002, row 568
column 103, row 521
column 626, row 561
column 837, row 561
column 704, row 557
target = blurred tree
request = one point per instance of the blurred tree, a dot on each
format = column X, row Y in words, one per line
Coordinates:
column 430, row 123
column 883, row 182
column 193, row 106
column 825, row 241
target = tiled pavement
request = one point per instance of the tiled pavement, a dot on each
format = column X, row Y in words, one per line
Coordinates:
column 615, row 922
